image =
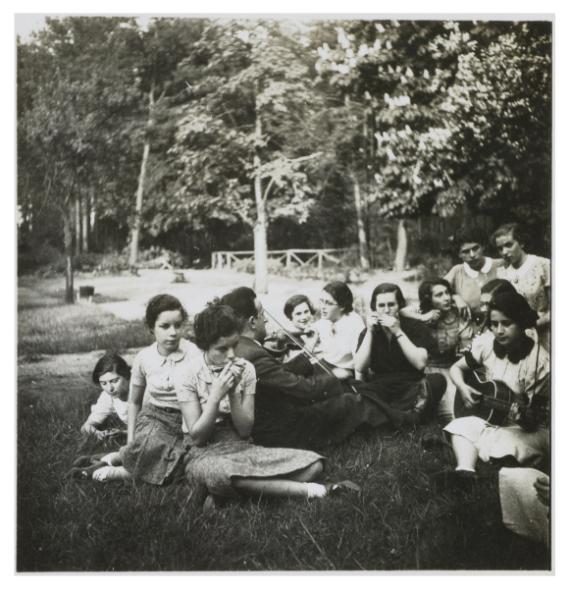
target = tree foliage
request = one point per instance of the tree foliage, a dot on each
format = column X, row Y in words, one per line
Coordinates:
column 276, row 123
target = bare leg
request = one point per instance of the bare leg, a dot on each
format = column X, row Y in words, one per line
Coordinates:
column 271, row 487
column 308, row 474
column 465, row 453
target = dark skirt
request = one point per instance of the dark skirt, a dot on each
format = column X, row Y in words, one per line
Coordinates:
column 156, row 454
column 404, row 397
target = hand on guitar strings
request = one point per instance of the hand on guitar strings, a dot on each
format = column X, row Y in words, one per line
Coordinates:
column 470, row 396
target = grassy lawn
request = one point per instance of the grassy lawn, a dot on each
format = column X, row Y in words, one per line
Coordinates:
column 398, row 523
column 48, row 326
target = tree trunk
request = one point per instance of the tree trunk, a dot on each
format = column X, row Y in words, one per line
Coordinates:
column 92, row 219
column 77, row 226
column 135, row 235
column 401, row 248
column 85, row 226
column 260, row 228
column 362, row 243
column 68, row 243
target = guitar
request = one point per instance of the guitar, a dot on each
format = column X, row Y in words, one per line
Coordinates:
column 498, row 401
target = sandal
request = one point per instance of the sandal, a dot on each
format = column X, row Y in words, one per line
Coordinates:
column 341, row 487
column 84, row 473
column 88, row 459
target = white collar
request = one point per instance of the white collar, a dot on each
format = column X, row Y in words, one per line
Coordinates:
column 487, row 266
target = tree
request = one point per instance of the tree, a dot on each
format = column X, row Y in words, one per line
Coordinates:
column 238, row 159
column 69, row 113
column 455, row 112
column 164, row 45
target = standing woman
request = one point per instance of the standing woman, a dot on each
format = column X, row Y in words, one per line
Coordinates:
column 394, row 351
column 529, row 274
column 451, row 332
column 338, row 329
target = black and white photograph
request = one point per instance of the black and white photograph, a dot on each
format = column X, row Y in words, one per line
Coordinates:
column 284, row 292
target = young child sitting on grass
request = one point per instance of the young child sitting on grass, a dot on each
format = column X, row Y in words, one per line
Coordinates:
column 108, row 416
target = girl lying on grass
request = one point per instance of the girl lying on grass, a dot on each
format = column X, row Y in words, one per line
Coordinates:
column 108, row 417
column 216, row 398
column 155, row 448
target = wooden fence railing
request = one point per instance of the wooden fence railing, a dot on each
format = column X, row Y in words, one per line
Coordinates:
column 289, row 258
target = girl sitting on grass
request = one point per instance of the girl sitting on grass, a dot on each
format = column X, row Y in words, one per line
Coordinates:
column 154, row 449
column 451, row 332
column 108, row 416
column 508, row 354
column 338, row 329
column 216, row 397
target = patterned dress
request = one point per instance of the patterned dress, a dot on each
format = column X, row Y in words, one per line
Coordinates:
column 226, row 456
column 452, row 334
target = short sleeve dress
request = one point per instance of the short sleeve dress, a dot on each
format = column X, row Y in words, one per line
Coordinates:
column 226, row 456
column 467, row 283
column 526, row 377
column 155, row 454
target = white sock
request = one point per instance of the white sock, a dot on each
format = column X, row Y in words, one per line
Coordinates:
column 108, row 458
column 315, row 490
column 110, row 473
column 464, row 469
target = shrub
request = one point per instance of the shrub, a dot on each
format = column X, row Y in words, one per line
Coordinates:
column 40, row 256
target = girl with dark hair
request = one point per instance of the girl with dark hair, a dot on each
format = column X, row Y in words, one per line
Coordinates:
column 528, row 273
column 301, row 314
column 338, row 329
column 451, row 332
column 154, row 447
column 467, row 279
column 108, row 416
column 216, row 396
column 393, row 352
column 492, row 287
column 508, row 354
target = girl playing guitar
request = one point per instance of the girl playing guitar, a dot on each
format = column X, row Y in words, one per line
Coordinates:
column 506, row 354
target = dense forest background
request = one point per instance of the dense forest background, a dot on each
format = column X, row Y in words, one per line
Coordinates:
column 188, row 136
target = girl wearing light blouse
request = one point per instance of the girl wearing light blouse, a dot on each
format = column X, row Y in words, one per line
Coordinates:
column 216, row 396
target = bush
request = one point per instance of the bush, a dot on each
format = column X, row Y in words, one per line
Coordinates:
column 431, row 265
column 40, row 256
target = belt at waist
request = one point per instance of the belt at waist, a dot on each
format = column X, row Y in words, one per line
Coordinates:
column 166, row 409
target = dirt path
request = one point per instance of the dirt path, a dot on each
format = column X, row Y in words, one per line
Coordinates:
column 129, row 294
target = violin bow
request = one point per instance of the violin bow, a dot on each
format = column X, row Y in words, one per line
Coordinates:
column 299, row 343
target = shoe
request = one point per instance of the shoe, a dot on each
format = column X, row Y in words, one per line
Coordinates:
column 455, row 480
column 430, row 441
column 86, row 472
column 88, row 459
column 342, row 487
